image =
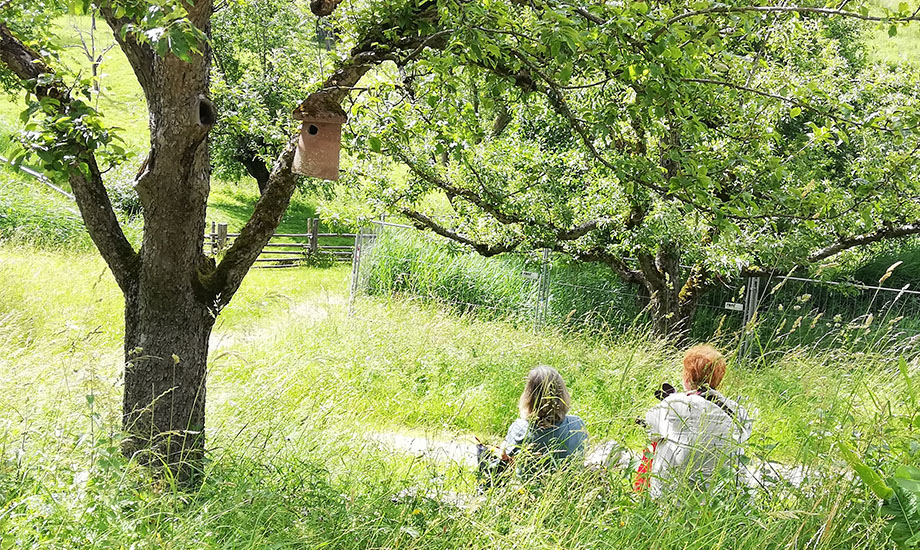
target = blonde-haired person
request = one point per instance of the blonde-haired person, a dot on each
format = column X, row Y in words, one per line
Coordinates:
column 545, row 428
column 699, row 430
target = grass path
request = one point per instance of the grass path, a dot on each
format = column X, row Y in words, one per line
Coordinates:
column 451, row 448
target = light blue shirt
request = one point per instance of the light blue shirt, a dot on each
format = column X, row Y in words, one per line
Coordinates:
column 560, row 441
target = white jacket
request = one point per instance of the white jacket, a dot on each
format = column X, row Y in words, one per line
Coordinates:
column 695, row 436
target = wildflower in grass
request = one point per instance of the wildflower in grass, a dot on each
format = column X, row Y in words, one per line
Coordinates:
column 817, row 318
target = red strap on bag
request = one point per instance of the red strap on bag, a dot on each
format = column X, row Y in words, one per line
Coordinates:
column 644, row 472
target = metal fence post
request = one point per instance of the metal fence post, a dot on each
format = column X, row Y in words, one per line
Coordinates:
column 355, row 270
column 751, row 302
column 213, row 236
column 542, row 306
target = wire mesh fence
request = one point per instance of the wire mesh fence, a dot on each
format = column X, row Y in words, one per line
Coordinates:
column 547, row 289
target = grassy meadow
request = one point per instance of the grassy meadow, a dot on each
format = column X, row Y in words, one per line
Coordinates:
column 298, row 387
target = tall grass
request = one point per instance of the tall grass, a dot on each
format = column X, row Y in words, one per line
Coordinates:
column 34, row 216
column 296, row 384
column 590, row 298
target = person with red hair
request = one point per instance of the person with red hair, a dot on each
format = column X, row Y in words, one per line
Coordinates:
column 694, row 432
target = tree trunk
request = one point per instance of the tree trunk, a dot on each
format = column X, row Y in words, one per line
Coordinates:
column 173, row 292
column 672, row 301
column 166, row 351
column 168, row 313
column 256, row 168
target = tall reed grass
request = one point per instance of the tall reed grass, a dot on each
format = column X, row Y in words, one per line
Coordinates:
column 410, row 264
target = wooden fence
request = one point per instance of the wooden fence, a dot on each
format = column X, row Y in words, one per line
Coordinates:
column 288, row 249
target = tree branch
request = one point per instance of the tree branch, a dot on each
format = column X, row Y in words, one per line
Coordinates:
column 226, row 278
column 239, row 258
column 364, row 57
column 601, row 256
column 322, row 8
column 504, row 218
column 789, row 100
column 868, row 238
column 88, row 188
column 422, row 221
column 467, row 194
column 781, row 9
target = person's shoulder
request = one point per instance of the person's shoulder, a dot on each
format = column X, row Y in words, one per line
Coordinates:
column 574, row 421
column 728, row 402
column 682, row 397
column 519, row 424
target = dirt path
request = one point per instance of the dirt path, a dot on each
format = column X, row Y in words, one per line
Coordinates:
column 307, row 312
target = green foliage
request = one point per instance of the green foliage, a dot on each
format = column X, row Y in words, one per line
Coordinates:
column 31, row 20
column 163, row 24
column 738, row 140
column 59, row 132
column 29, row 215
column 871, row 268
column 900, row 493
column 865, row 473
column 119, row 182
column 904, row 507
column 266, row 60
column 591, row 299
column 58, row 128
column 405, row 263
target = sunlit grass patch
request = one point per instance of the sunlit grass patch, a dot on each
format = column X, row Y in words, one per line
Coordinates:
column 298, row 385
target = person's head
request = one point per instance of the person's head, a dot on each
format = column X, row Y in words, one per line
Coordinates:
column 704, row 366
column 545, row 400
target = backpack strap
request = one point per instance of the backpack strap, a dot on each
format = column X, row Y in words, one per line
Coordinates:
column 717, row 401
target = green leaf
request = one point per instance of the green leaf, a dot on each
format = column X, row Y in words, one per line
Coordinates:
column 566, row 73
column 795, row 111
column 893, row 31
column 904, row 507
column 865, row 473
column 375, row 144
column 79, row 7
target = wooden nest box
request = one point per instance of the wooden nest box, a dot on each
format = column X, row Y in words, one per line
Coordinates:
column 320, row 141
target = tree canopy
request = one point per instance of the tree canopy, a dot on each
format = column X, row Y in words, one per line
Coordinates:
column 727, row 138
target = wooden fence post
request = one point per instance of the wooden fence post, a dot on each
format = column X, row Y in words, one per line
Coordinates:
column 314, row 240
column 221, row 236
